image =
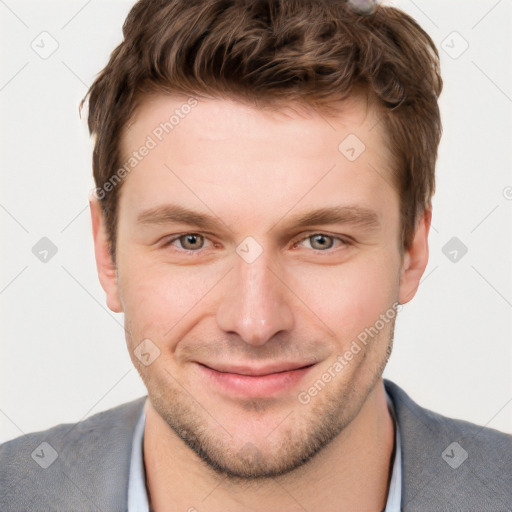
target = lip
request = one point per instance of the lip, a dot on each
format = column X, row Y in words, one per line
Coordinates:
column 256, row 382
column 258, row 371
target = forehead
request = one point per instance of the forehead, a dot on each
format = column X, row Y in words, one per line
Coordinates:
column 233, row 153
column 159, row 116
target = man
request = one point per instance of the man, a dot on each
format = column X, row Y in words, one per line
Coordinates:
column 264, row 174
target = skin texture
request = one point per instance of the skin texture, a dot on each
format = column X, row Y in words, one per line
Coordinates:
column 304, row 299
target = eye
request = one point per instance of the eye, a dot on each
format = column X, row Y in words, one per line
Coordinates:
column 322, row 241
column 188, row 241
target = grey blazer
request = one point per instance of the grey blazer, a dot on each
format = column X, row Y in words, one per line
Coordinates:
column 93, row 459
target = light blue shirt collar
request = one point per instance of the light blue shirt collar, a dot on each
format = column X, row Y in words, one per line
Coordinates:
column 138, row 496
column 137, row 492
column 395, row 485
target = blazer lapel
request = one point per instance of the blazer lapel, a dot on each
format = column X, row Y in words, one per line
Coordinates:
column 449, row 464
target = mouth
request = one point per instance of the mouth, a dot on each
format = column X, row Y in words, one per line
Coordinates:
column 250, row 381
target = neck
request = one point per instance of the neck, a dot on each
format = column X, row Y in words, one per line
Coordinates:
column 351, row 473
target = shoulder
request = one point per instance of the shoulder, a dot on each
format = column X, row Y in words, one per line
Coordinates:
column 78, row 466
column 450, row 462
column 410, row 411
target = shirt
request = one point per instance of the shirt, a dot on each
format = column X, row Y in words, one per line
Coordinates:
column 138, row 495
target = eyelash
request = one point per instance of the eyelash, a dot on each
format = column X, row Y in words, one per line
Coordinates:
column 344, row 242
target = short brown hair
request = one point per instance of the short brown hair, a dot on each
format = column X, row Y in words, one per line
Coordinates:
column 271, row 52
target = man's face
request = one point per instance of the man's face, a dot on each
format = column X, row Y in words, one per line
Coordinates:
column 234, row 309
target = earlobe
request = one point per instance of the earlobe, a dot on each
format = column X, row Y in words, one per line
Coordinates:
column 105, row 266
column 415, row 259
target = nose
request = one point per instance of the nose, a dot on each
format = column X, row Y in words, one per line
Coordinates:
column 255, row 302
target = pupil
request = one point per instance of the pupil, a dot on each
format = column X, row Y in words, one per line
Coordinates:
column 191, row 240
column 322, row 241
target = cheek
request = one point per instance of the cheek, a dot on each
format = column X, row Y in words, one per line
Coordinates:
column 158, row 299
column 350, row 297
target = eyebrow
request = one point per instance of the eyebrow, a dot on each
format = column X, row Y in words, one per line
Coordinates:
column 172, row 213
column 354, row 215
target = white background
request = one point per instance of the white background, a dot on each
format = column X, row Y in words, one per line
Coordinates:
column 63, row 352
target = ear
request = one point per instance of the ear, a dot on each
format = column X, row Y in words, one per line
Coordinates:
column 104, row 264
column 415, row 259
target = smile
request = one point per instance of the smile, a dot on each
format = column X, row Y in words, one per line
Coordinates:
column 252, row 382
